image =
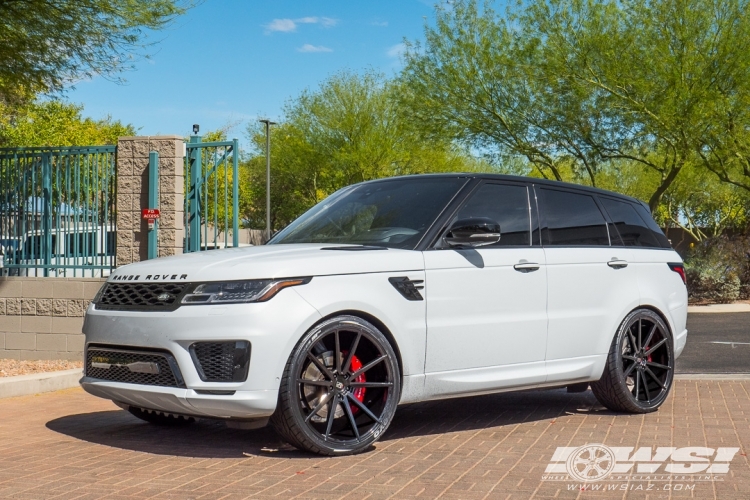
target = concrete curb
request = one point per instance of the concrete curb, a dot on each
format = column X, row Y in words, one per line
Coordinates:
column 720, row 308
column 23, row 385
column 712, row 376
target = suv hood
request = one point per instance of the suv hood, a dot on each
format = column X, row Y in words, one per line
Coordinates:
column 270, row 261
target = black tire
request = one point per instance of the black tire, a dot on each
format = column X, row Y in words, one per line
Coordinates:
column 159, row 418
column 640, row 365
column 343, row 360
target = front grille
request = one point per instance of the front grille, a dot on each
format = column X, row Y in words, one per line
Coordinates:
column 133, row 366
column 141, row 296
column 221, row 361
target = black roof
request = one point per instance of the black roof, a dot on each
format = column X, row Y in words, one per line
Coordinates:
column 520, row 178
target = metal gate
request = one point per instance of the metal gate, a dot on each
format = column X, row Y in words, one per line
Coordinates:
column 211, row 195
column 57, row 211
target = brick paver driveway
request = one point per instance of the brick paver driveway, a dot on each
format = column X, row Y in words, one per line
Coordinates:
column 71, row 445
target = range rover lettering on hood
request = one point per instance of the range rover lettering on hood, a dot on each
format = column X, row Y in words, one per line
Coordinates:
column 149, row 277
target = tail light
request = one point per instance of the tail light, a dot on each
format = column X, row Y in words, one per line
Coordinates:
column 679, row 268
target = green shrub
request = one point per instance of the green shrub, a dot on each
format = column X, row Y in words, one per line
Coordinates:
column 718, row 269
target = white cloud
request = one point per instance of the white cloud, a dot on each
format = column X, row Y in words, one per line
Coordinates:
column 283, row 25
column 290, row 25
column 314, row 48
column 382, row 24
column 328, row 22
column 397, row 50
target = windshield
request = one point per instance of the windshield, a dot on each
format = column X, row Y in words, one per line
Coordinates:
column 394, row 213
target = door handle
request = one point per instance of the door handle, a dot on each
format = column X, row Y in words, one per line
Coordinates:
column 526, row 267
column 616, row 263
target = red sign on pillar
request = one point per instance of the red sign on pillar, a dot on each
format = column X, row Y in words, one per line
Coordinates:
column 150, row 214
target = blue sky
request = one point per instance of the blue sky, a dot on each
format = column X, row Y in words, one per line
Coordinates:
column 236, row 60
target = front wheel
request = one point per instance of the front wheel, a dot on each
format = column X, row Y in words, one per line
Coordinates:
column 640, row 365
column 340, row 388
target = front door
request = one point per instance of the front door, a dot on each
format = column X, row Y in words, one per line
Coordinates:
column 486, row 306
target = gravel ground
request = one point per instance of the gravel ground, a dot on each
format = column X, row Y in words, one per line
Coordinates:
column 13, row 367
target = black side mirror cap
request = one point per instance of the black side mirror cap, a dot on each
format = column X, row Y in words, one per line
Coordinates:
column 473, row 232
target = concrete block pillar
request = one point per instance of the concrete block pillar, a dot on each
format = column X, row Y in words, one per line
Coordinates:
column 132, row 196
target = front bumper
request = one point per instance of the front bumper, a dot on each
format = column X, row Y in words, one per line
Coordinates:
column 272, row 328
column 241, row 404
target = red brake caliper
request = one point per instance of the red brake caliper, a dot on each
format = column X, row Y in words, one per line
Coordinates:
column 359, row 392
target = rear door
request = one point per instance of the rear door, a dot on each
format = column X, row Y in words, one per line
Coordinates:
column 591, row 285
column 486, row 306
column 658, row 285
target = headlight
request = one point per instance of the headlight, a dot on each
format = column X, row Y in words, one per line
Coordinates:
column 232, row 292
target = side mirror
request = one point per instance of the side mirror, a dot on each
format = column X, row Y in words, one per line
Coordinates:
column 473, row 232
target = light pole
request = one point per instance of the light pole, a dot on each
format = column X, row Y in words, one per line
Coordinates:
column 268, row 176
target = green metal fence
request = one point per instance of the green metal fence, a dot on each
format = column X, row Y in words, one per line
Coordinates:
column 211, row 195
column 57, row 211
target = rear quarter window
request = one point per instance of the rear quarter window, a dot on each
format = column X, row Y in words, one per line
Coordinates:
column 653, row 226
column 629, row 225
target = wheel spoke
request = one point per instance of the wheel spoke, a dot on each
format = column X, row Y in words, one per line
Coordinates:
column 657, row 345
column 630, row 369
column 648, row 370
column 369, row 365
column 362, row 407
column 645, row 386
column 350, row 356
column 337, row 355
column 370, row 384
column 331, row 413
column 640, row 325
column 318, row 407
column 637, row 385
column 658, row 365
column 650, row 336
column 350, row 416
column 631, row 339
column 631, row 358
column 323, row 368
column 319, row 383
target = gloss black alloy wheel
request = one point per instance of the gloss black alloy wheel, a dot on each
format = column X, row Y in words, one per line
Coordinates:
column 640, row 365
column 340, row 388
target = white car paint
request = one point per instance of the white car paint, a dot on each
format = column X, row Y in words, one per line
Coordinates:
column 483, row 327
column 587, row 297
column 484, row 318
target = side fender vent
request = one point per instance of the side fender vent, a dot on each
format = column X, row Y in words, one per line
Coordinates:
column 407, row 287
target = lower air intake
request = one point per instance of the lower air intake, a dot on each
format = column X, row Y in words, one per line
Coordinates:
column 221, row 361
column 133, row 366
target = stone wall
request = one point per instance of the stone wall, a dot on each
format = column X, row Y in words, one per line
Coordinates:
column 132, row 196
column 41, row 318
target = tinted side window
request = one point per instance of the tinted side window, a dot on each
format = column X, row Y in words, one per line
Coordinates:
column 572, row 219
column 630, row 226
column 508, row 205
column 653, row 226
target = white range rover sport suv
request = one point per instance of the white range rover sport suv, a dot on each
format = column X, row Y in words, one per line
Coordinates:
column 395, row 291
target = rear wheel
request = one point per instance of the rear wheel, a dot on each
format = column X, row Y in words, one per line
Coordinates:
column 159, row 418
column 640, row 365
column 340, row 388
